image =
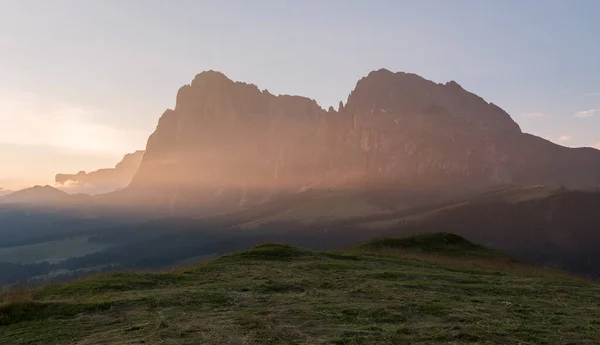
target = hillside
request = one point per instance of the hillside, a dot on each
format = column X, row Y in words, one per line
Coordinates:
column 389, row 291
column 36, row 195
column 549, row 226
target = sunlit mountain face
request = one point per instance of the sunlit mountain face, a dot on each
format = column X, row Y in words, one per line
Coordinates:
column 229, row 140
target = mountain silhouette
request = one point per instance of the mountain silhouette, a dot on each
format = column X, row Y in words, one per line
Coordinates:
column 36, row 195
column 227, row 140
column 103, row 180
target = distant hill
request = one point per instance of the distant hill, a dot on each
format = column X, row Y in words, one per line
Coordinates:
column 278, row 294
column 103, row 180
column 36, row 195
column 439, row 244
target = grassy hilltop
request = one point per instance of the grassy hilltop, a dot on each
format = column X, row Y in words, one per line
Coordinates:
column 424, row 289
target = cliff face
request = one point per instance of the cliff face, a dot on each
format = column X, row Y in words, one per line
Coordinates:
column 235, row 141
column 231, row 140
column 103, row 180
column 414, row 131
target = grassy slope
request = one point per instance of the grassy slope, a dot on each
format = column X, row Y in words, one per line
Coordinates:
column 421, row 290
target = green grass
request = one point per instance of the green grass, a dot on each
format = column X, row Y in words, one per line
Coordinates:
column 276, row 294
column 441, row 244
column 53, row 251
column 57, row 273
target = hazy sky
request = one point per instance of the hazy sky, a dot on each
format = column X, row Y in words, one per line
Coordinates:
column 84, row 82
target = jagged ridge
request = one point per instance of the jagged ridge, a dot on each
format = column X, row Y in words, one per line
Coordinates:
column 231, row 140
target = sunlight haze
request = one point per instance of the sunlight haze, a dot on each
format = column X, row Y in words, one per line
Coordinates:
column 299, row 172
column 85, row 83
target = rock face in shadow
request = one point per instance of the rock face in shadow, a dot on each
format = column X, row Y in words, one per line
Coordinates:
column 103, row 180
column 231, row 142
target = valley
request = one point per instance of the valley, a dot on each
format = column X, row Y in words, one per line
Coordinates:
column 515, row 220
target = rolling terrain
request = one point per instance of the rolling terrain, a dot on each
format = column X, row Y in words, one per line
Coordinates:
column 551, row 227
column 426, row 289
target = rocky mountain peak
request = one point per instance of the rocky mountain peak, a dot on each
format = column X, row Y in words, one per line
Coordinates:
column 231, row 140
column 413, row 98
column 211, row 76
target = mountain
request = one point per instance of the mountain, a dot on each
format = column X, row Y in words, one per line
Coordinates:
column 4, row 192
column 229, row 142
column 103, row 180
column 437, row 289
column 36, row 195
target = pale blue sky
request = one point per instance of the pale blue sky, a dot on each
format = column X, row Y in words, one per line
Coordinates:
column 84, row 82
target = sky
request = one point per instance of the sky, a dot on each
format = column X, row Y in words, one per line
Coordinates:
column 84, row 82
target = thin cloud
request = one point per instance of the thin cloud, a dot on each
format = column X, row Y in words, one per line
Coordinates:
column 565, row 139
column 75, row 187
column 592, row 94
column 587, row 113
column 535, row 114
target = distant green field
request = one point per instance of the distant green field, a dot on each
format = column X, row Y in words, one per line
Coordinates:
column 53, row 251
